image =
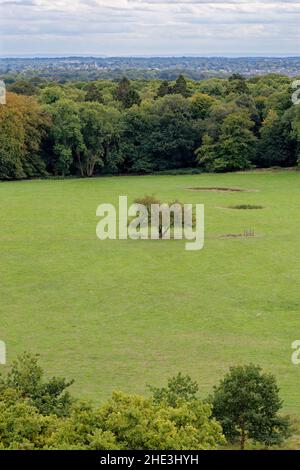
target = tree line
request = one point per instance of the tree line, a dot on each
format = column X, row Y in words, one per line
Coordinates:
column 37, row 413
column 144, row 126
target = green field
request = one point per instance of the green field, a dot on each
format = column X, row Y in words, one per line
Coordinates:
column 121, row 314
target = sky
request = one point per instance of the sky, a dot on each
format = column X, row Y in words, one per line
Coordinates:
column 149, row 27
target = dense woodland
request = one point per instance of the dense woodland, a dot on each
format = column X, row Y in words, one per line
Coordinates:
column 48, row 128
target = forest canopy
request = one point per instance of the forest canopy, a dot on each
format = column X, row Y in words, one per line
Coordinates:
column 114, row 127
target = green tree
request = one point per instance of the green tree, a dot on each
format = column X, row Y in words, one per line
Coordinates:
column 237, row 84
column 122, row 88
column 130, row 98
column 179, row 387
column 275, row 146
column 237, row 143
column 22, row 87
column 26, row 378
column 93, row 93
column 81, row 430
column 201, row 104
column 113, row 126
column 280, row 101
column 100, row 130
column 127, row 94
column 294, row 116
column 160, row 135
column 51, row 94
column 164, row 89
column 138, row 423
column 247, row 402
column 180, row 87
column 22, row 427
column 66, row 141
column 23, row 125
column 235, row 146
column 12, row 137
column 93, row 134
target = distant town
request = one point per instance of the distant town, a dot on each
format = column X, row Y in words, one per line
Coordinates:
column 197, row 68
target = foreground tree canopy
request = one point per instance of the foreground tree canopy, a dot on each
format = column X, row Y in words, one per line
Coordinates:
column 40, row 413
column 107, row 127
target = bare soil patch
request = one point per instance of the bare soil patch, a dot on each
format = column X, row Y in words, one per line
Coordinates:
column 222, row 190
column 244, row 207
column 246, row 234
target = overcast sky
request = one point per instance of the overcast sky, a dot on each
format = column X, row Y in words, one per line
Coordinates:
column 149, row 27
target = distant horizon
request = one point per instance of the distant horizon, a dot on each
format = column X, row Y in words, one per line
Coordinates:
column 150, row 56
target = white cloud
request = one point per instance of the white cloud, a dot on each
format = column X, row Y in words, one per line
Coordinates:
column 115, row 27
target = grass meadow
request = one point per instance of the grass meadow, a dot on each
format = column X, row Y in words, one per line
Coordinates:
column 121, row 314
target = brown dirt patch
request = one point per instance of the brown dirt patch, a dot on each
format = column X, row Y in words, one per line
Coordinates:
column 222, row 190
column 242, row 207
column 246, row 234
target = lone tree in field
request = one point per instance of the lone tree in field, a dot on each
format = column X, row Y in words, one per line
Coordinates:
column 169, row 216
column 246, row 403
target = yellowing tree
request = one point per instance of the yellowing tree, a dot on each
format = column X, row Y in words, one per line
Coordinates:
column 22, row 126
